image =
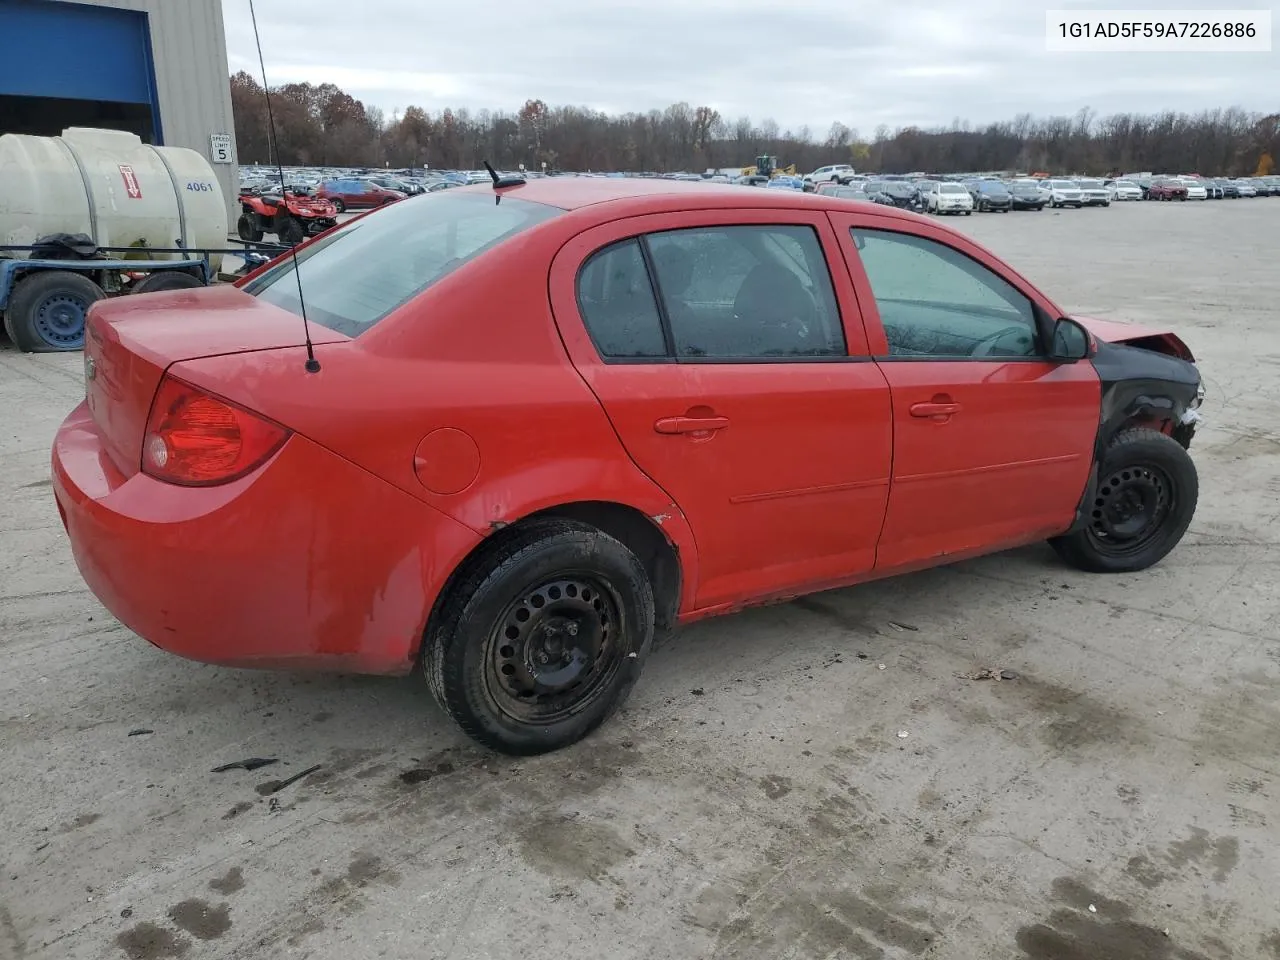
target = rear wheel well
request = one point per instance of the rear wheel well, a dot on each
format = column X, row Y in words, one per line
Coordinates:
column 626, row 524
column 643, row 538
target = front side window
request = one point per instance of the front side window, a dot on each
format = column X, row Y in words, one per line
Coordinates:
column 747, row 292
column 358, row 273
column 935, row 302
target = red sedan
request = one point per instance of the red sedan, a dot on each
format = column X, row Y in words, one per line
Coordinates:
column 1166, row 189
column 546, row 421
column 355, row 194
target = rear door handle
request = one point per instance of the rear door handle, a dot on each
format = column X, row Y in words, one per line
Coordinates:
column 690, row 424
column 934, row 409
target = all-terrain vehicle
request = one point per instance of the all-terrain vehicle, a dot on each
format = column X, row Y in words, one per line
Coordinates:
column 291, row 215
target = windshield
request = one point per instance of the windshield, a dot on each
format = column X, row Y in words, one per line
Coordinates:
column 356, row 275
column 1065, row 185
column 996, row 188
column 1090, row 184
column 1125, row 183
column 951, row 188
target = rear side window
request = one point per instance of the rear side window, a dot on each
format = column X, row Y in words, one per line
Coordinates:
column 747, row 292
column 738, row 293
column 359, row 273
column 617, row 304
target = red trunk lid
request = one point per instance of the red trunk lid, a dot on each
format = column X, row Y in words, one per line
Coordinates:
column 130, row 342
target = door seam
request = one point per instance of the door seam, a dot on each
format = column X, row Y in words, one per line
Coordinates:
column 609, row 418
column 893, row 462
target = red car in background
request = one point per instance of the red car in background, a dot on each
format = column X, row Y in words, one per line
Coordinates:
column 1164, row 188
column 353, row 194
column 540, row 431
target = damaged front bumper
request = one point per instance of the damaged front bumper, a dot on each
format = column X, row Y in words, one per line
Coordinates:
column 1185, row 429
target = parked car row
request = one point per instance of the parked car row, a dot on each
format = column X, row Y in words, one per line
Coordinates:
column 996, row 195
column 355, row 189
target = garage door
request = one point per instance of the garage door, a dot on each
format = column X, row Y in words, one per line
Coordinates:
column 55, row 53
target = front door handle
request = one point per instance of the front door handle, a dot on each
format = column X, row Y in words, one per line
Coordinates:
column 935, row 408
column 690, row 424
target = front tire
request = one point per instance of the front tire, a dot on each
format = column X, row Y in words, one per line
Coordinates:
column 247, row 228
column 1147, row 492
column 290, row 232
column 542, row 638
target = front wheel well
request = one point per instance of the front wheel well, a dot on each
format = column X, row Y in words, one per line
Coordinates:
column 628, row 525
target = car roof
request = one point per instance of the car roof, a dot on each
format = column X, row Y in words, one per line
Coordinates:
column 637, row 196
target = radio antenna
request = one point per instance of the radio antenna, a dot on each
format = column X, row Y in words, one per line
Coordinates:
column 313, row 365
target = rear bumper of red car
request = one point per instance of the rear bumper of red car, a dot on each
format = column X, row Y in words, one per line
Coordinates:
column 308, row 563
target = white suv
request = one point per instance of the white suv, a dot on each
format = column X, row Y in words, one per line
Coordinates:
column 1064, row 193
column 947, row 197
column 836, row 171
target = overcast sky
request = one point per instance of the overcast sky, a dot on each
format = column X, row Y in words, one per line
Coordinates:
column 806, row 62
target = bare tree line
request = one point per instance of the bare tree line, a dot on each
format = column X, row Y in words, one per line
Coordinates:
column 323, row 125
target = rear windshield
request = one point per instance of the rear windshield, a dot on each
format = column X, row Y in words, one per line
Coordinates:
column 360, row 272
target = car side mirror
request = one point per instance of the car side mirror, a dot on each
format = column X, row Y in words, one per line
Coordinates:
column 1069, row 341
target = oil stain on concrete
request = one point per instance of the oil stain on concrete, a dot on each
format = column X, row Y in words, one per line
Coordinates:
column 573, row 847
column 231, row 882
column 1074, row 932
column 201, row 920
column 1199, row 855
column 147, row 941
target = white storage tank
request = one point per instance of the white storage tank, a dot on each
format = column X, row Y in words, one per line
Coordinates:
column 109, row 185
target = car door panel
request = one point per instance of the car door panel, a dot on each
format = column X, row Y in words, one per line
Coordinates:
column 1006, row 463
column 781, row 466
column 989, row 451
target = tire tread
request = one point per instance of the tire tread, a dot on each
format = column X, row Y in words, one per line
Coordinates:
column 449, row 687
column 1076, row 548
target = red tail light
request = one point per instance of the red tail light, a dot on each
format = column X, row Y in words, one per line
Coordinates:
column 197, row 440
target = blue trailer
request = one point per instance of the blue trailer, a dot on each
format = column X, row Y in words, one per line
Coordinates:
column 44, row 302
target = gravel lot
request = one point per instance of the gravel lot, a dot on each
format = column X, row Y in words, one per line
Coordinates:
column 1118, row 799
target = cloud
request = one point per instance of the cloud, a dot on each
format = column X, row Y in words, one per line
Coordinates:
column 922, row 62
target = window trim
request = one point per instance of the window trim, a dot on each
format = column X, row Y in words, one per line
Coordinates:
column 655, row 286
column 862, row 282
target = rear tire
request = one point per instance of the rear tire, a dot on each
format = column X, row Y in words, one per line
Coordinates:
column 166, row 280
column 1146, row 497
column 542, row 638
column 46, row 311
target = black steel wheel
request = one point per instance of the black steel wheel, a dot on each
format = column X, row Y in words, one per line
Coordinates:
column 1145, row 499
column 551, row 652
column 540, row 637
column 1129, row 510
